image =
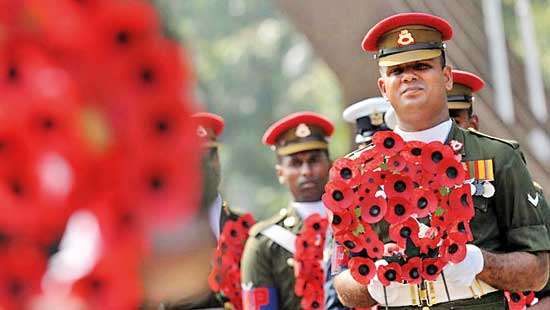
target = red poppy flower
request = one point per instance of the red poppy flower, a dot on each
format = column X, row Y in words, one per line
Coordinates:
column 215, row 279
column 315, row 223
column 362, row 269
column 452, row 250
column 345, row 170
column 370, row 159
column 429, row 243
column 375, row 248
column 406, row 230
column 516, row 301
column 398, row 211
column 529, row 297
column 246, row 221
column 442, row 222
column 460, row 203
column 353, row 243
column 412, row 152
column 389, row 273
column 433, row 154
column 373, row 209
column 396, row 163
column 313, row 301
column 414, row 172
column 23, row 267
column 341, row 221
column 125, row 25
column 462, row 231
column 338, row 196
column 113, row 283
column 388, row 142
column 308, row 247
column 235, row 234
column 397, row 185
column 425, row 202
column 450, row 172
column 431, row 268
column 370, row 182
column 411, row 270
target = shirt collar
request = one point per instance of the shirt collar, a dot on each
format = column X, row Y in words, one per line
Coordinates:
column 305, row 209
column 214, row 214
column 437, row 133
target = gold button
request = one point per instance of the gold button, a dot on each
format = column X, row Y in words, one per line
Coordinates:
column 290, row 261
column 290, row 221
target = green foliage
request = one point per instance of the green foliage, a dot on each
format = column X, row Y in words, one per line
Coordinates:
column 252, row 68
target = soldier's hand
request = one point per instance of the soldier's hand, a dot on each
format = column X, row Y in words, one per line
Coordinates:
column 393, row 291
column 465, row 272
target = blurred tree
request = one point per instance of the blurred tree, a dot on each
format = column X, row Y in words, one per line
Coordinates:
column 252, row 68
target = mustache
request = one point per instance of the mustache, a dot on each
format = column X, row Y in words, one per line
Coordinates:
column 312, row 180
column 412, row 87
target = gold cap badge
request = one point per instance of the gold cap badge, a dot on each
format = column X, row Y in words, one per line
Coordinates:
column 302, row 131
column 405, row 38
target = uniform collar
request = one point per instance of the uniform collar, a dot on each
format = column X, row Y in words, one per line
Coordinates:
column 437, row 133
column 305, row 209
column 214, row 214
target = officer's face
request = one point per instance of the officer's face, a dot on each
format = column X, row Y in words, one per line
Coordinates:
column 417, row 91
column 211, row 174
column 305, row 174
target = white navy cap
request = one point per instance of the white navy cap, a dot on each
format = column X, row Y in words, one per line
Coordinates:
column 368, row 116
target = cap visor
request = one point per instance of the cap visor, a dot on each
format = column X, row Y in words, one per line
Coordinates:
column 410, row 56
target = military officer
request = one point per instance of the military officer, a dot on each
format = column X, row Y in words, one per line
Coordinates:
column 208, row 128
column 460, row 98
column 300, row 142
column 510, row 237
column 368, row 117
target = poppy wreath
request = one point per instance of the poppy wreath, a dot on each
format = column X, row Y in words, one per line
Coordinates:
column 95, row 115
column 308, row 260
column 519, row 300
column 416, row 192
column 225, row 277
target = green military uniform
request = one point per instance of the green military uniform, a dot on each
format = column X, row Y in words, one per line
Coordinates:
column 265, row 263
column 511, row 220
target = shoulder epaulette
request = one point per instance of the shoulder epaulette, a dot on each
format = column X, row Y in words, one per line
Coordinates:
column 258, row 227
column 514, row 144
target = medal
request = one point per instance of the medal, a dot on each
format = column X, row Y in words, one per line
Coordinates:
column 488, row 189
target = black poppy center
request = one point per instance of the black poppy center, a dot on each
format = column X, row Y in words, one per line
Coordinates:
column 346, row 173
column 147, row 75
column 431, row 269
column 437, row 156
column 391, row 275
column 13, row 73
column 305, row 244
column 162, row 125
column 233, row 233
column 461, row 227
column 349, row 244
column 399, row 209
column 405, row 232
column 422, row 203
column 338, row 195
column 364, row 270
column 416, row 151
column 48, row 123
column 389, row 143
column 96, row 284
column 400, row 186
column 374, row 210
column 156, row 182
column 122, row 37
column 246, row 224
column 453, row 248
column 515, row 297
column 315, row 305
column 414, row 274
column 316, row 226
column 16, row 288
column 17, row 188
column 451, row 172
column 336, row 219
